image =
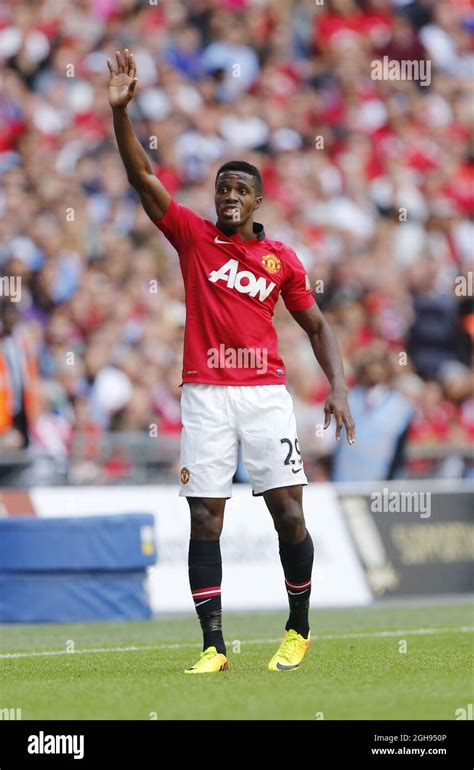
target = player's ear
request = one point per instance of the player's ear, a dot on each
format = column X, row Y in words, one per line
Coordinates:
column 258, row 201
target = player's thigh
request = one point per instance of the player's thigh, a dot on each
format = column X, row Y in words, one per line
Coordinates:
column 270, row 447
column 209, row 444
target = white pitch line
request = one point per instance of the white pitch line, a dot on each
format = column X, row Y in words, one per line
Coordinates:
column 369, row 635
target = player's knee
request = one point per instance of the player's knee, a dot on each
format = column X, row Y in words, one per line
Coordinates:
column 206, row 523
column 290, row 523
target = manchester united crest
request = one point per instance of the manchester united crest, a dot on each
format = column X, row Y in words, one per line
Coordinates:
column 271, row 263
column 184, row 475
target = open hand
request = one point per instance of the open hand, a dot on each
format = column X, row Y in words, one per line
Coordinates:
column 123, row 82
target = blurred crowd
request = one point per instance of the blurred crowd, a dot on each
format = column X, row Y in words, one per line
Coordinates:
column 369, row 180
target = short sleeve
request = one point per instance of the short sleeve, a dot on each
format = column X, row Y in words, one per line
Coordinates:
column 179, row 225
column 296, row 290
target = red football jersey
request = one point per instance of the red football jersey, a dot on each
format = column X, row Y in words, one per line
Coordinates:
column 231, row 291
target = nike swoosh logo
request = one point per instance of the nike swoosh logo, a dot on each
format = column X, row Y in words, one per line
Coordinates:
column 299, row 469
column 205, row 600
column 216, row 240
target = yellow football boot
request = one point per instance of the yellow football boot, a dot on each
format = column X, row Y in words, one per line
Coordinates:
column 290, row 652
column 210, row 662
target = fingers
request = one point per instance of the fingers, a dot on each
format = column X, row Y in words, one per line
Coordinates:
column 131, row 88
column 130, row 66
column 350, row 428
column 125, row 63
column 327, row 416
column 343, row 418
column 120, row 62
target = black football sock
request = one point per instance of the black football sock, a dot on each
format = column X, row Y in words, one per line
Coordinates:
column 297, row 563
column 205, row 578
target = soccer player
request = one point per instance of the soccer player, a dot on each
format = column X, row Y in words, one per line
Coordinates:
column 233, row 378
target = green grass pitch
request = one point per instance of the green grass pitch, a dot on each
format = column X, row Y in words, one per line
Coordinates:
column 355, row 669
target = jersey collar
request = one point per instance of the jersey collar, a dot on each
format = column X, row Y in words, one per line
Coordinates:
column 258, row 232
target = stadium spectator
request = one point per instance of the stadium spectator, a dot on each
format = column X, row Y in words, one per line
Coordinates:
column 384, row 415
column 19, row 396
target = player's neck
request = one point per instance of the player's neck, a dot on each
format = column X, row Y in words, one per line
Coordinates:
column 245, row 231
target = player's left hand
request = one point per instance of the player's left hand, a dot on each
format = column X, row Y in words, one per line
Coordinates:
column 337, row 404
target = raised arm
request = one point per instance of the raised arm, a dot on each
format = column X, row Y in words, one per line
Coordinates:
column 325, row 348
column 154, row 196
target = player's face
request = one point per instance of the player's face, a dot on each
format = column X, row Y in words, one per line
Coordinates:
column 235, row 197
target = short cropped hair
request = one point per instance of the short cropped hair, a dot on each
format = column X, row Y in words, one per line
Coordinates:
column 247, row 168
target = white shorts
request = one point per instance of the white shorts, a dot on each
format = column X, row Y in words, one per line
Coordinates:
column 216, row 418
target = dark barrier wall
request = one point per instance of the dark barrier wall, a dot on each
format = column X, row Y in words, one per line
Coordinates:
column 413, row 538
